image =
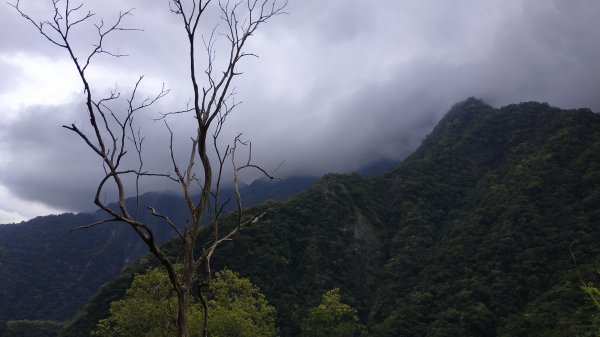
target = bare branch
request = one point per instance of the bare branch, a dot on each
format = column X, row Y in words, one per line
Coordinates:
column 249, row 222
column 40, row 26
column 104, row 32
column 95, row 224
column 166, row 218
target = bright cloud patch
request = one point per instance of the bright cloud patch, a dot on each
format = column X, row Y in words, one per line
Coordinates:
column 38, row 81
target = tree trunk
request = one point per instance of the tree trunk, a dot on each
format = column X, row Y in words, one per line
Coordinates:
column 182, row 305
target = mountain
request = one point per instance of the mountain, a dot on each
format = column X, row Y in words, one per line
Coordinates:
column 485, row 215
column 47, row 271
column 471, row 235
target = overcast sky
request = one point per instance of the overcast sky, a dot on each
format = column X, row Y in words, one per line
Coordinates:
column 338, row 84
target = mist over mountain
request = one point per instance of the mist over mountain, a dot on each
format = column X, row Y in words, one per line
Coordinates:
column 471, row 235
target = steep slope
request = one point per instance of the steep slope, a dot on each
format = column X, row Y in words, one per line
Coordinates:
column 470, row 236
column 48, row 272
column 486, row 212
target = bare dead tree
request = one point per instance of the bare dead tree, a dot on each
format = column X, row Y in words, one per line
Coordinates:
column 114, row 133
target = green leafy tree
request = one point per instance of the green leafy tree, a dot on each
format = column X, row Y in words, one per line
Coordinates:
column 238, row 308
column 149, row 309
column 332, row 318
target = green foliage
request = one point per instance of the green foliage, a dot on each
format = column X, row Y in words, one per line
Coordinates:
column 149, row 309
column 238, row 308
column 332, row 318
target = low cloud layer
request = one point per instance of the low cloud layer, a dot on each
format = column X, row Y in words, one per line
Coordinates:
column 338, row 84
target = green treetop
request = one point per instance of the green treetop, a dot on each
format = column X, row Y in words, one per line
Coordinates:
column 332, row 318
column 149, row 309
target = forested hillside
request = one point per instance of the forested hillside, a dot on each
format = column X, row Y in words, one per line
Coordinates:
column 48, row 272
column 483, row 217
column 472, row 235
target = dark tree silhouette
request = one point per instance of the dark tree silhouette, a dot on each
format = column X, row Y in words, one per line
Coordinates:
column 115, row 133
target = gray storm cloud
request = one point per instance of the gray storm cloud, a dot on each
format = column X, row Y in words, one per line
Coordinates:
column 338, row 84
column 46, row 163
